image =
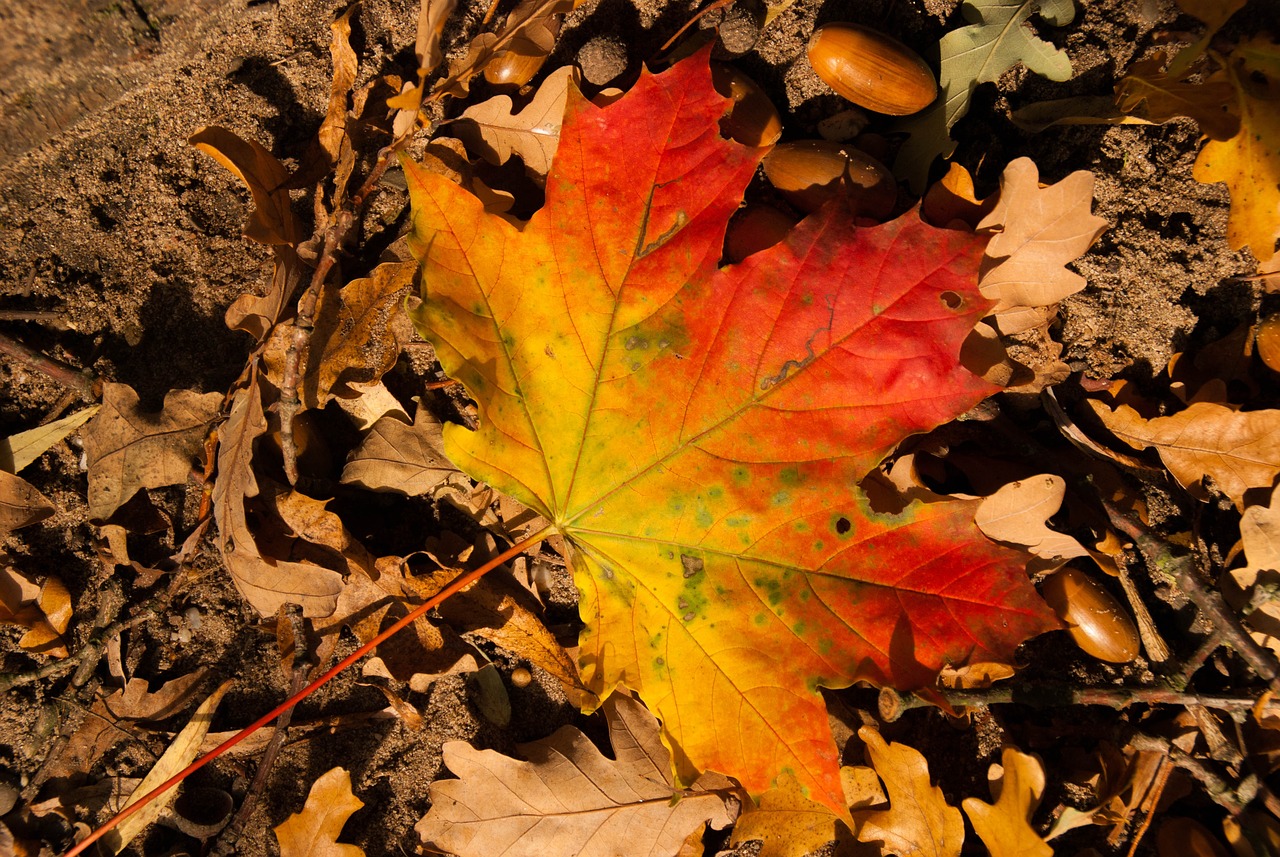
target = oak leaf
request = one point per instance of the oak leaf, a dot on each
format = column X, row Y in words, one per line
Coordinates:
column 1148, row 89
column 1039, row 230
column 995, row 40
column 787, row 823
column 568, row 798
column 494, row 131
column 919, row 821
column 20, row 503
column 1017, row 785
column 43, row 609
column 1238, row 449
column 1260, row 535
column 400, row 458
column 129, row 450
column 697, row 432
column 314, row 831
column 1249, row 162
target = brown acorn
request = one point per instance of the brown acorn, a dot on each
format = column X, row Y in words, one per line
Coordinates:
column 756, row 227
column 512, row 68
column 753, row 120
column 1095, row 620
column 808, row 173
column 871, row 69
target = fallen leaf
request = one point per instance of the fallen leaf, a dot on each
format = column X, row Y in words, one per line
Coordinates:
column 181, row 752
column 128, row 450
column 1149, row 90
column 272, row 220
column 918, row 821
column 496, row 133
column 314, row 831
column 1249, row 162
column 996, row 39
column 1019, row 512
column 1238, row 449
column 1078, row 110
column 266, row 582
column 1038, row 231
column 353, row 339
column 19, row 450
column 568, row 798
column 697, row 433
column 1185, row 837
column 400, row 458
column 1017, row 784
column 786, row 822
column 44, row 609
column 20, row 503
column 1214, row 13
column 1260, row 534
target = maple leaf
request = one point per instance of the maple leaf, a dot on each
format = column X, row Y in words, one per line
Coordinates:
column 568, row 798
column 697, row 432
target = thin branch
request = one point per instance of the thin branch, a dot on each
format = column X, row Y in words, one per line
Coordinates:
column 89, row 387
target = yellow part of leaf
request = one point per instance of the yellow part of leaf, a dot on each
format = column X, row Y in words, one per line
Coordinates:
column 1005, row 826
column 43, row 609
column 918, row 821
column 1238, row 449
column 787, row 823
column 1249, row 162
column 19, row 450
column 181, row 752
column 1039, row 231
column 314, row 831
column 129, row 450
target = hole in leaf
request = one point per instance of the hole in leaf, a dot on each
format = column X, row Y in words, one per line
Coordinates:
column 951, row 300
column 843, row 526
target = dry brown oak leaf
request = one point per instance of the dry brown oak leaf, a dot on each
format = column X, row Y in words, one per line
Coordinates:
column 568, row 798
column 314, row 831
column 697, row 432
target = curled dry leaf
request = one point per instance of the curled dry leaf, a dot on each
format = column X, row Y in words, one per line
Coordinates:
column 354, row 339
column 129, row 450
column 1238, row 449
column 272, row 220
column 1150, row 91
column 496, row 133
column 918, row 821
column 400, row 458
column 568, row 798
column 266, row 582
column 314, row 831
column 20, row 503
column 19, row 450
column 44, row 609
column 181, row 752
column 996, row 39
column 1038, row 231
column 1018, row 514
column 1017, row 785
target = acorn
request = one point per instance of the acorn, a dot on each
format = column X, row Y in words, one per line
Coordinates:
column 1267, row 342
column 871, row 69
column 513, row 68
column 808, row 173
column 754, row 228
column 1095, row 620
column 753, row 120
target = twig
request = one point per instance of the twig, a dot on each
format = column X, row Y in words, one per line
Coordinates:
column 85, row 659
column 1232, row 799
column 457, row 585
column 64, row 373
column 230, row 834
column 1053, row 695
column 49, row 319
column 1179, row 569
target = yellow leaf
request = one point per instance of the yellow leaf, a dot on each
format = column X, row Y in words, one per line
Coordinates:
column 787, row 822
column 918, row 821
column 314, row 832
column 1249, row 162
column 1005, row 826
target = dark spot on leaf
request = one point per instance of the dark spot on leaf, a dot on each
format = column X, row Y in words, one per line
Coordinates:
column 692, row 565
column 951, row 300
column 843, row 526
